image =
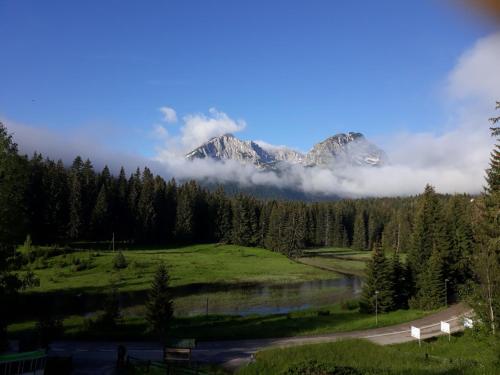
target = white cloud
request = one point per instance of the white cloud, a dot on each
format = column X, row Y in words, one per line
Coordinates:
column 169, row 115
column 477, row 73
column 453, row 158
column 199, row 128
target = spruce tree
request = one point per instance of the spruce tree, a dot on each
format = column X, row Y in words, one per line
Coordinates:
column 429, row 237
column 13, row 182
column 75, row 228
column 101, row 216
column 486, row 261
column 146, row 206
column 431, row 286
column 378, row 287
column 159, row 306
column 399, row 281
column 359, row 240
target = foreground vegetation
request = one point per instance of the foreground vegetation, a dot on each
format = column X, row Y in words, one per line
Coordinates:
column 329, row 319
column 464, row 355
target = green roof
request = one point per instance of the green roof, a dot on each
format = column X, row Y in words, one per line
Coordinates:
column 22, row 356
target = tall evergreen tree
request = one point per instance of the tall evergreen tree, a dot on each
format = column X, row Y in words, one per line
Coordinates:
column 159, row 306
column 101, row 215
column 146, row 207
column 13, row 182
column 76, row 220
column 429, row 236
column 486, row 266
column 431, row 286
column 378, row 288
column 360, row 240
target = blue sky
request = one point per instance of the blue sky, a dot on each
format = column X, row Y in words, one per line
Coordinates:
column 294, row 71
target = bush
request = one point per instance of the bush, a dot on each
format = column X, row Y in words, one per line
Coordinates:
column 119, row 261
column 81, row 265
column 350, row 305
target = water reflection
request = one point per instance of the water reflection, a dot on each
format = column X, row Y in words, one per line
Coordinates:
column 268, row 299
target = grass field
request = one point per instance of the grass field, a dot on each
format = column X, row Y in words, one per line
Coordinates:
column 198, row 264
column 465, row 354
column 342, row 260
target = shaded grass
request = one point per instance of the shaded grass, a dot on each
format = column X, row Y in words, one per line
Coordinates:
column 465, row 354
column 335, row 318
column 353, row 267
column 342, row 260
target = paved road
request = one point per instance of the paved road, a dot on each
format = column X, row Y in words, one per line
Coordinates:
column 99, row 357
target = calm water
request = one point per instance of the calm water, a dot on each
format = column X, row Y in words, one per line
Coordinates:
column 268, row 299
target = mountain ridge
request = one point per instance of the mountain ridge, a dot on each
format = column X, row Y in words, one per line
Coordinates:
column 340, row 150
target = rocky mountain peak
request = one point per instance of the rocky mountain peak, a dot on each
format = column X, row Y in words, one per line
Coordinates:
column 340, row 150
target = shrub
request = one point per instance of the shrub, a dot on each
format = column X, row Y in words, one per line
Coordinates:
column 350, row 305
column 119, row 261
column 81, row 265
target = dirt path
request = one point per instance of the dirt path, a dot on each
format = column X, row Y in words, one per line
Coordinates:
column 99, row 357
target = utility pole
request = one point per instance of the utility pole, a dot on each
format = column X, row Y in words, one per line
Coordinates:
column 113, row 241
column 376, row 307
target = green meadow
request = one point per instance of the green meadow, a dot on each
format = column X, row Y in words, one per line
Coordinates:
column 466, row 354
column 197, row 264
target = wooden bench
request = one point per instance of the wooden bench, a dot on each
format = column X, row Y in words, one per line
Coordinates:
column 179, row 350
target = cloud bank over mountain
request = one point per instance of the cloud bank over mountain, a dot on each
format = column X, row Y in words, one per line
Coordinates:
column 452, row 158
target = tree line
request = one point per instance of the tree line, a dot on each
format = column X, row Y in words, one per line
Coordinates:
column 451, row 242
column 58, row 204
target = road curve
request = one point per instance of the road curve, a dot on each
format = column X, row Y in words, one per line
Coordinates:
column 99, row 357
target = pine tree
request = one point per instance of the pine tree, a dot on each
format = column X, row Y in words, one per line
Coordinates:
column 486, row 262
column 13, row 182
column 112, row 314
column 101, row 216
column 223, row 217
column 75, row 200
column 429, row 236
column 145, row 206
column 378, row 288
column 121, row 214
column 399, row 281
column 431, row 292
column 159, row 307
column 359, row 240
column 459, row 227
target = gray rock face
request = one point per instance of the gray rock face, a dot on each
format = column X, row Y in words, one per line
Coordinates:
column 351, row 149
column 341, row 150
column 228, row 147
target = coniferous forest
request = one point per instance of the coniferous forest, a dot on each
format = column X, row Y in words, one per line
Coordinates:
column 450, row 239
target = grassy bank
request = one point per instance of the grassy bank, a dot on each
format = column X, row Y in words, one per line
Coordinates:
column 465, row 355
column 337, row 259
column 336, row 318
